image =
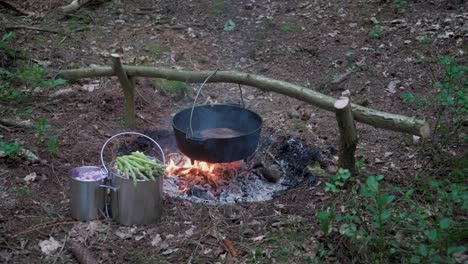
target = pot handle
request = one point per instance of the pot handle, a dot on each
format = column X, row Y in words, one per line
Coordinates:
column 195, row 102
column 129, row 133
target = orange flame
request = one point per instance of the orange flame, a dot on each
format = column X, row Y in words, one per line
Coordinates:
column 202, row 172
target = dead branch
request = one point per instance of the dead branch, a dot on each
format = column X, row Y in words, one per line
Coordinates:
column 82, row 254
column 41, row 226
column 12, row 7
column 13, row 27
column 230, row 247
column 410, row 125
column 26, row 124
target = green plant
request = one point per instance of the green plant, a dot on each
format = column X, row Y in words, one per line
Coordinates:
column 156, row 49
column 230, row 25
column 339, row 180
column 400, row 5
column 41, row 128
column 22, row 192
column 291, row 27
column 376, row 32
column 5, row 44
column 426, row 40
column 10, row 150
column 411, row 98
column 30, row 77
column 326, row 219
column 360, row 165
column 219, row 6
column 52, row 145
column 402, row 226
column 79, row 23
column 173, row 88
column 35, row 76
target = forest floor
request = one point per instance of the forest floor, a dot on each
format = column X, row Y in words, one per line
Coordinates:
column 376, row 52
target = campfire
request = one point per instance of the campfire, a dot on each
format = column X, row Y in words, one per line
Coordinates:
column 199, row 173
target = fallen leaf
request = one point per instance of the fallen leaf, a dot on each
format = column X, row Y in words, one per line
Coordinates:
column 50, row 246
column 156, row 240
column 189, row 232
column 125, row 232
column 30, row 177
column 259, row 238
column 391, row 87
column 170, row 251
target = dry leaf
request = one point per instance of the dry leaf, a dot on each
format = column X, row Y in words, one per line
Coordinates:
column 30, row 177
column 156, row 240
column 50, row 246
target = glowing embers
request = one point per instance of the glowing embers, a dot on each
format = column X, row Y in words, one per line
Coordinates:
column 201, row 173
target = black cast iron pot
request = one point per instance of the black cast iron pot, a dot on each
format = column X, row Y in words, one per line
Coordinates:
column 215, row 150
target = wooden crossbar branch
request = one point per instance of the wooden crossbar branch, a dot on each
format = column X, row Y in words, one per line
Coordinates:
column 362, row 114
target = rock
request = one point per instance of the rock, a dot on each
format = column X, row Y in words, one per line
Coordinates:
column 272, row 174
column 364, row 101
column 248, row 6
column 30, row 177
column 331, row 169
column 30, row 156
column 306, row 114
column 391, row 87
column 61, row 92
column 294, row 113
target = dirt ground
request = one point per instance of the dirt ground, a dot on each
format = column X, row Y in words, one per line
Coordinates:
column 309, row 43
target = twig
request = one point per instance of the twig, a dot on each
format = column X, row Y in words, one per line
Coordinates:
column 13, row 27
column 11, row 7
column 17, row 123
column 82, row 254
column 41, row 226
column 6, row 128
column 61, row 42
column 61, row 250
column 250, row 65
column 230, row 247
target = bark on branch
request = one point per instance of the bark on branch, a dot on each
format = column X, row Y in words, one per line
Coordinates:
column 348, row 134
column 128, row 90
column 362, row 114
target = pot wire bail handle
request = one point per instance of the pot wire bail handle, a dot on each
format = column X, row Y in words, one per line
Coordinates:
column 196, row 98
column 130, row 133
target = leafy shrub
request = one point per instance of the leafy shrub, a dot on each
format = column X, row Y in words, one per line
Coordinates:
column 290, row 27
column 338, row 181
column 156, row 50
column 5, row 44
column 173, row 88
column 402, row 226
column 400, row 5
column 30, row 77
column 10, row 150
column 376, row 32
